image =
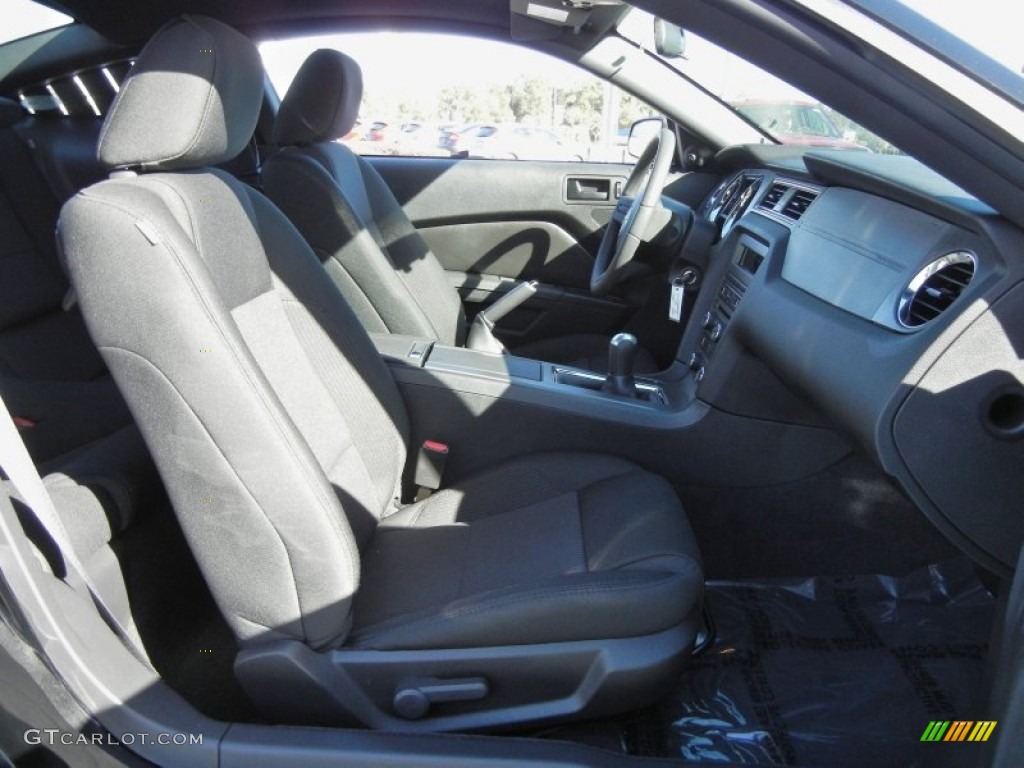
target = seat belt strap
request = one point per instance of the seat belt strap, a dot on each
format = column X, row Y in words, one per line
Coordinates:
column 23, row 475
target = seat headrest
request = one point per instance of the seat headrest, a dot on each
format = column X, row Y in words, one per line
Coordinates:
column 322, row 103
column 10, row 112
column 192, row 99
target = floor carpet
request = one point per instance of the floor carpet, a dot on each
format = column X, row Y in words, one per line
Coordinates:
column 821, row 672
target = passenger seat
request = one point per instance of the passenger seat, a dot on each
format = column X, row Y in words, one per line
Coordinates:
column 552, row 586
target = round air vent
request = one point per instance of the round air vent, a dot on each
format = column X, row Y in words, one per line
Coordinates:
column 935, row 288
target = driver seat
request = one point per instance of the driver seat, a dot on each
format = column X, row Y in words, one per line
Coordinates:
column 369, row 247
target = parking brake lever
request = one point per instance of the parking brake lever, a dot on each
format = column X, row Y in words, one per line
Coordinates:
column 481, row 333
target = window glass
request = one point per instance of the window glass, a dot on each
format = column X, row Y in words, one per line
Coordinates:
column 448, row 95
column 23, row 18
column 991, row 26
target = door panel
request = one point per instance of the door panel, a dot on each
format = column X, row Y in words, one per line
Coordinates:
column 492, row 223
column 552, row 311
column 447, row 191
column 527, row 250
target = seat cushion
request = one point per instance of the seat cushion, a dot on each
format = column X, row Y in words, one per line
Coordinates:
column 551, row 548
column 588, row 351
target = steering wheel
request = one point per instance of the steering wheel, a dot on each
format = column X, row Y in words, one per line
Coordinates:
column 640, row 198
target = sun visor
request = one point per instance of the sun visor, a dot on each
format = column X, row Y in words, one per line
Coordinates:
column 545, row 19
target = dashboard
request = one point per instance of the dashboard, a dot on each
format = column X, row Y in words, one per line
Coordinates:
column 866, row 294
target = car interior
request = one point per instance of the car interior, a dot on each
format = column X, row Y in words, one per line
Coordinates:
column 712, row 456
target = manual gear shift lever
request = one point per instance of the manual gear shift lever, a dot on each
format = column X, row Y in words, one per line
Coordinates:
column 622, row 351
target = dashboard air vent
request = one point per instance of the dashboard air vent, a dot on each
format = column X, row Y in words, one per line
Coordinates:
column 775, row 194
column 798, row 203
column 935, row 288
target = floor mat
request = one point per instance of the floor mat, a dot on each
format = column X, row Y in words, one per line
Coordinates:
column 820, row 672
column 832, row 671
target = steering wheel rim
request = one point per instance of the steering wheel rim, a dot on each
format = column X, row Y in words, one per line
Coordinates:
column 640, row 196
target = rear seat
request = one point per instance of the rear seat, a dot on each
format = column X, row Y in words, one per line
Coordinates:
column 97, row 490
column 51, row 375
column 54, row 382
column 94, row 463
column 73, row 420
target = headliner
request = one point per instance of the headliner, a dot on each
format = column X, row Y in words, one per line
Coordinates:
column 130, row 22
column 116, row 29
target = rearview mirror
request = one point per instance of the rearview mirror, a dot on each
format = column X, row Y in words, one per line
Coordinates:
column 641, row 133
column 669, row 39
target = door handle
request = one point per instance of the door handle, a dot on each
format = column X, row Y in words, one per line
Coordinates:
column 583, row 189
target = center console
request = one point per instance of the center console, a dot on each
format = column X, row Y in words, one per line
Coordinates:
column 745, row 263
column 659, row 402
column 716, row 417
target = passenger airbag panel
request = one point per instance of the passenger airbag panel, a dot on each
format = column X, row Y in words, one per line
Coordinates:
column 857, row 251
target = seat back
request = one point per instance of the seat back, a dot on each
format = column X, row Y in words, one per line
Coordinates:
column 278, row 431
column 347, row 213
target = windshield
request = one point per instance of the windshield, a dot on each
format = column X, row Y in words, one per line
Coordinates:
column 779, row 110
column 978, row 39
column 790, row 118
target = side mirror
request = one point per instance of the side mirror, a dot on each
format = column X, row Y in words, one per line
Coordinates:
column 641, row 133
column 669, row 39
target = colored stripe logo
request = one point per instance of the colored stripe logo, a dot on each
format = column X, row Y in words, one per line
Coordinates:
column 958, row 730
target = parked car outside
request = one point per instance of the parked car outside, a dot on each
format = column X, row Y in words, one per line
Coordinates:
column 514, row 141
column 381, row 130
column 796, row 122
column 449, row 134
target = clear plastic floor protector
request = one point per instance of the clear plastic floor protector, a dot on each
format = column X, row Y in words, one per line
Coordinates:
column 832, row 671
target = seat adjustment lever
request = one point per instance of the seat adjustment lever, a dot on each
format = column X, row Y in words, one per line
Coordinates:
column 415, row 694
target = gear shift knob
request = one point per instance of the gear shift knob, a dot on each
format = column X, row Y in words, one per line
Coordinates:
column 622, row 351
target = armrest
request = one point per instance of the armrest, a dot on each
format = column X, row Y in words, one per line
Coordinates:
column 410, row 350
column 479, row 363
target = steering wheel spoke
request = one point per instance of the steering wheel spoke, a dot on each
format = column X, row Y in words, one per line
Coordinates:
column 633, row 212
column 622, row 209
